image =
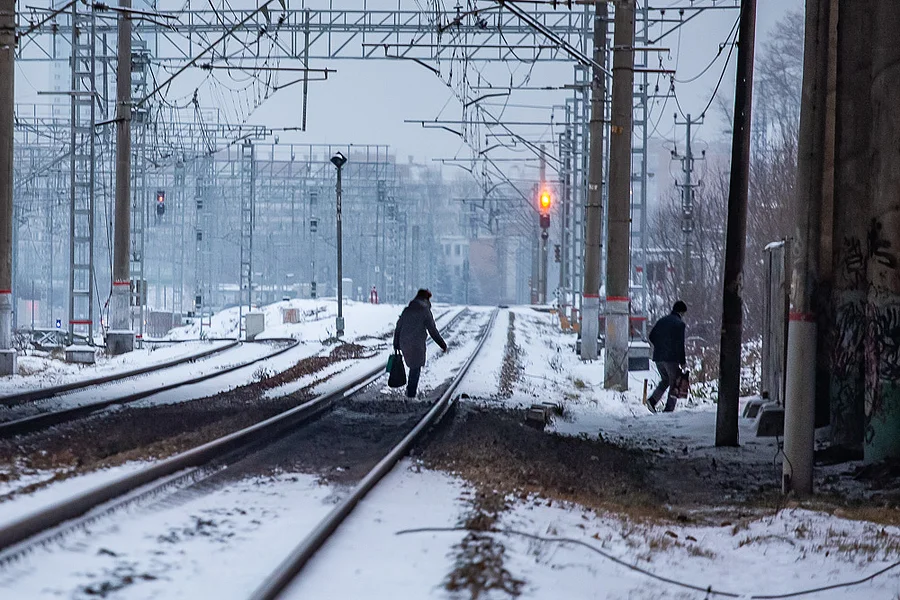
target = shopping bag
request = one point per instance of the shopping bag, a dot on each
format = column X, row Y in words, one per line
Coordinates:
column 397, row 377
column 682, row 385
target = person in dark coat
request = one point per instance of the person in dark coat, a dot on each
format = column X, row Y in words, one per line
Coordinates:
column 667, row 337
column 415, row 323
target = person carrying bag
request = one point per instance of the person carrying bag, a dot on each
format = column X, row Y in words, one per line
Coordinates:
column 416, row 323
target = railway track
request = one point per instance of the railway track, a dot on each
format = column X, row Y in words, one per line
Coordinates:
column 46, row 393
column 12, row 425
column 291, row 567
column 177, row 472
column 42, row 420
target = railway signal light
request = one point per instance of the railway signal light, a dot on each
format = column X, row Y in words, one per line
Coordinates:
column 545, row 221
column 160, row 203
column 545, row 201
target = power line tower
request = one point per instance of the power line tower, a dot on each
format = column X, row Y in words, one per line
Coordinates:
column 248, row 207
column 687, row 186
column 81, row 176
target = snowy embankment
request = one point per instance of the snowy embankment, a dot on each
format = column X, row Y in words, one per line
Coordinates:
column 414, row 519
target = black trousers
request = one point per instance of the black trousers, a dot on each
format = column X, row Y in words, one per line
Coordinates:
column 412, row 382
column 668, row 372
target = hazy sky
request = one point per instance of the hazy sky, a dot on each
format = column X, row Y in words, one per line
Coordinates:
column 368, row 101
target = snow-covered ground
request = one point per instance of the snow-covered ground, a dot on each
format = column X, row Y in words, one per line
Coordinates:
column 785, row 552
column 316, row 320
column 221, row 544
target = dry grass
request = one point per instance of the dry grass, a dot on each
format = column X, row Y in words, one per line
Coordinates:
column 494, row 451
column 479, row 557
column 509, row 372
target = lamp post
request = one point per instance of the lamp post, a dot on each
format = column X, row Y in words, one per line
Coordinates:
column 338, row 161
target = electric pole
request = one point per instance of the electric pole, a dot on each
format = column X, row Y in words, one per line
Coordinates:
column 593, row 209
column 687, row 200
column 8, row 364
column 736, row 236
column 542, row 266
column 120, row 338
column 618, row 256
column 800, row 382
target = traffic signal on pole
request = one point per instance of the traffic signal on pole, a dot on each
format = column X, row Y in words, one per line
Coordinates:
column 545, row 221
column 545, row 201
column 160, row 203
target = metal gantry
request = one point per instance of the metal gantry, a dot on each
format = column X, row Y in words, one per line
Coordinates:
column 82, row 156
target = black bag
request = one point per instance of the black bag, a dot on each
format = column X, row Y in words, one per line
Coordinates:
column 397, row 377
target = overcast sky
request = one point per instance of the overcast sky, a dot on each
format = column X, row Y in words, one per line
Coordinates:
column 368, row 101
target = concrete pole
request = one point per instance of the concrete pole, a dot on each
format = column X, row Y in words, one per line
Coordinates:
column 736, row 236
column 852, row 205
column 542, row 267
column 882, row 439
column 8, row 364
column 825, row 295
column 593, row 209
column 120, row 338
column 800, row 382
column 687, row 206
column 618, row 256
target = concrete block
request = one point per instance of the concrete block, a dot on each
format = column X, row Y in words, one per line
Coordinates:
column 538, row 415
column 751, row 409
column 84, row 355
column 254, row 324
column 8, row 363
column 119, row 342
column 770, row 421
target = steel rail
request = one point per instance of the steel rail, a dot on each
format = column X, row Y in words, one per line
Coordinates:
column 20, row 536
column 48, row 419
column 288, row 570
column 49, row 392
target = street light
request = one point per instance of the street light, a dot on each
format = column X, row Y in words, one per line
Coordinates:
column 338, row 161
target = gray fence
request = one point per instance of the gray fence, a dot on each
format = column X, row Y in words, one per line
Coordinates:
column 774, row 342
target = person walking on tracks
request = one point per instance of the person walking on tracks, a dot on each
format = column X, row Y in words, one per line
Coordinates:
column 667, row 337
column 413, row 326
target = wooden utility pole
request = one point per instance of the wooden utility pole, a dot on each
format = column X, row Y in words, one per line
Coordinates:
column 593, row 209
column 8, row 364
column 120, row 338
column 800, row 385
column 618, row 256
column 736, row 236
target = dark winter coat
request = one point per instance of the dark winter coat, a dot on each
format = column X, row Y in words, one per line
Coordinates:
column 667, row 337
column 416, row 321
